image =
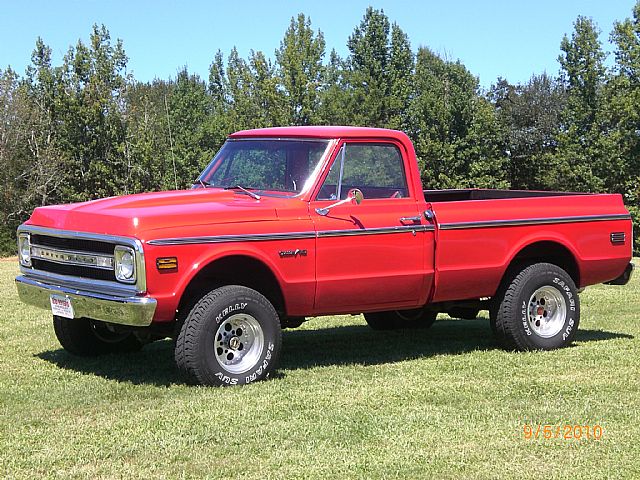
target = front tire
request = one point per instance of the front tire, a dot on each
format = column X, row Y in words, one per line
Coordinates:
column 85, row 337
column 232, row 336
column 539, row 310
column 399, row 319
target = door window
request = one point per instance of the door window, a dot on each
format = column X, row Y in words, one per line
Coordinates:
column 374, row 168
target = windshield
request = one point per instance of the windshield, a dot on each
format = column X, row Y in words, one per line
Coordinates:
column 265, row 165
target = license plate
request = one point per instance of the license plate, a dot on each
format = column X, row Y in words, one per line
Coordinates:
column 61, row 306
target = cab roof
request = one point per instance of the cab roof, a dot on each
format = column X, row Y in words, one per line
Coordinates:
column 322, row 132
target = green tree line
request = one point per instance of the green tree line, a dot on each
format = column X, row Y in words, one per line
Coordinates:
column 85, row 129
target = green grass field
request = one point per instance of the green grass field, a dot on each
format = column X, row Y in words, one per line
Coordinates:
column 347, row 402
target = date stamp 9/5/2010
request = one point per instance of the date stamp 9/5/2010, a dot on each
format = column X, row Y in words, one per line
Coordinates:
column 563, row 432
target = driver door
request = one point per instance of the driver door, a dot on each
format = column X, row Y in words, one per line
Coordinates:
column 370, row 255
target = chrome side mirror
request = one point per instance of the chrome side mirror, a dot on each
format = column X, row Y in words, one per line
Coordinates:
column 354, row 196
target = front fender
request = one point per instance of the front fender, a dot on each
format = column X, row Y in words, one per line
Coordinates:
column 295, row 277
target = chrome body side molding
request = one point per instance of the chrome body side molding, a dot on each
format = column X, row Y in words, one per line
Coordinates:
column 531, row 221
column 258, row 237
column 263, row 237
column 376, row 231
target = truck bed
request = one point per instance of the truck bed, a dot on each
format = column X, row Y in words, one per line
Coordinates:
column 480, row 231
column 459, row 195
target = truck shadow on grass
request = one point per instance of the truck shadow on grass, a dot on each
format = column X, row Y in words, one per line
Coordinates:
column 343, row 345
column 360, row 345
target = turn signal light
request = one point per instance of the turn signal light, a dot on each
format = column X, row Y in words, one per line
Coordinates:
column 167, row 264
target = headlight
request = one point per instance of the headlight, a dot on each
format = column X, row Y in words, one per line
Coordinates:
column 24, row 249
column 125, row 260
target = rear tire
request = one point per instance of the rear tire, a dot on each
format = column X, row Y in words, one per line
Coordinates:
column 85, row 337
column 232, row 336
column 399, row 319
column 539, row 309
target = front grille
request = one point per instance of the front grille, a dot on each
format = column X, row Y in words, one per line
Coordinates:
column 75, row 244
column 69, row 267
column 73, row 270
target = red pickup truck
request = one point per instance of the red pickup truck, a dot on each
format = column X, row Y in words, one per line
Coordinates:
column 287, row 223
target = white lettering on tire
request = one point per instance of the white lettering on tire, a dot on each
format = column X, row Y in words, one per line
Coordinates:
column 226, row 379
column 231, row 308
column 265, row 364
column 525, row 319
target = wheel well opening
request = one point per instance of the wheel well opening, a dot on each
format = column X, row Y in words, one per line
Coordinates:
column 233, row 270
column 550, row 252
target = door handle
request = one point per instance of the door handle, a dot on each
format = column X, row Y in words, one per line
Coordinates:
column 415, row 219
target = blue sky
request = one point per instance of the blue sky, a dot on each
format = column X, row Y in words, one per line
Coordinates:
column 511, row 39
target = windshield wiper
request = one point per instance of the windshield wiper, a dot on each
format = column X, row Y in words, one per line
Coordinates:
column 204, row 183
column 244, row 190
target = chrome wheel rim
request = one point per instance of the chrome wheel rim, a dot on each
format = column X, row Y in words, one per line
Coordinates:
column 238, row 343
column 547, row 311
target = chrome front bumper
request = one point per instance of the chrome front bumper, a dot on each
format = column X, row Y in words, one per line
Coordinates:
column 123, row 310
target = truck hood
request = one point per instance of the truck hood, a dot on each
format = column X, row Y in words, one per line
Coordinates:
column 145, row 215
